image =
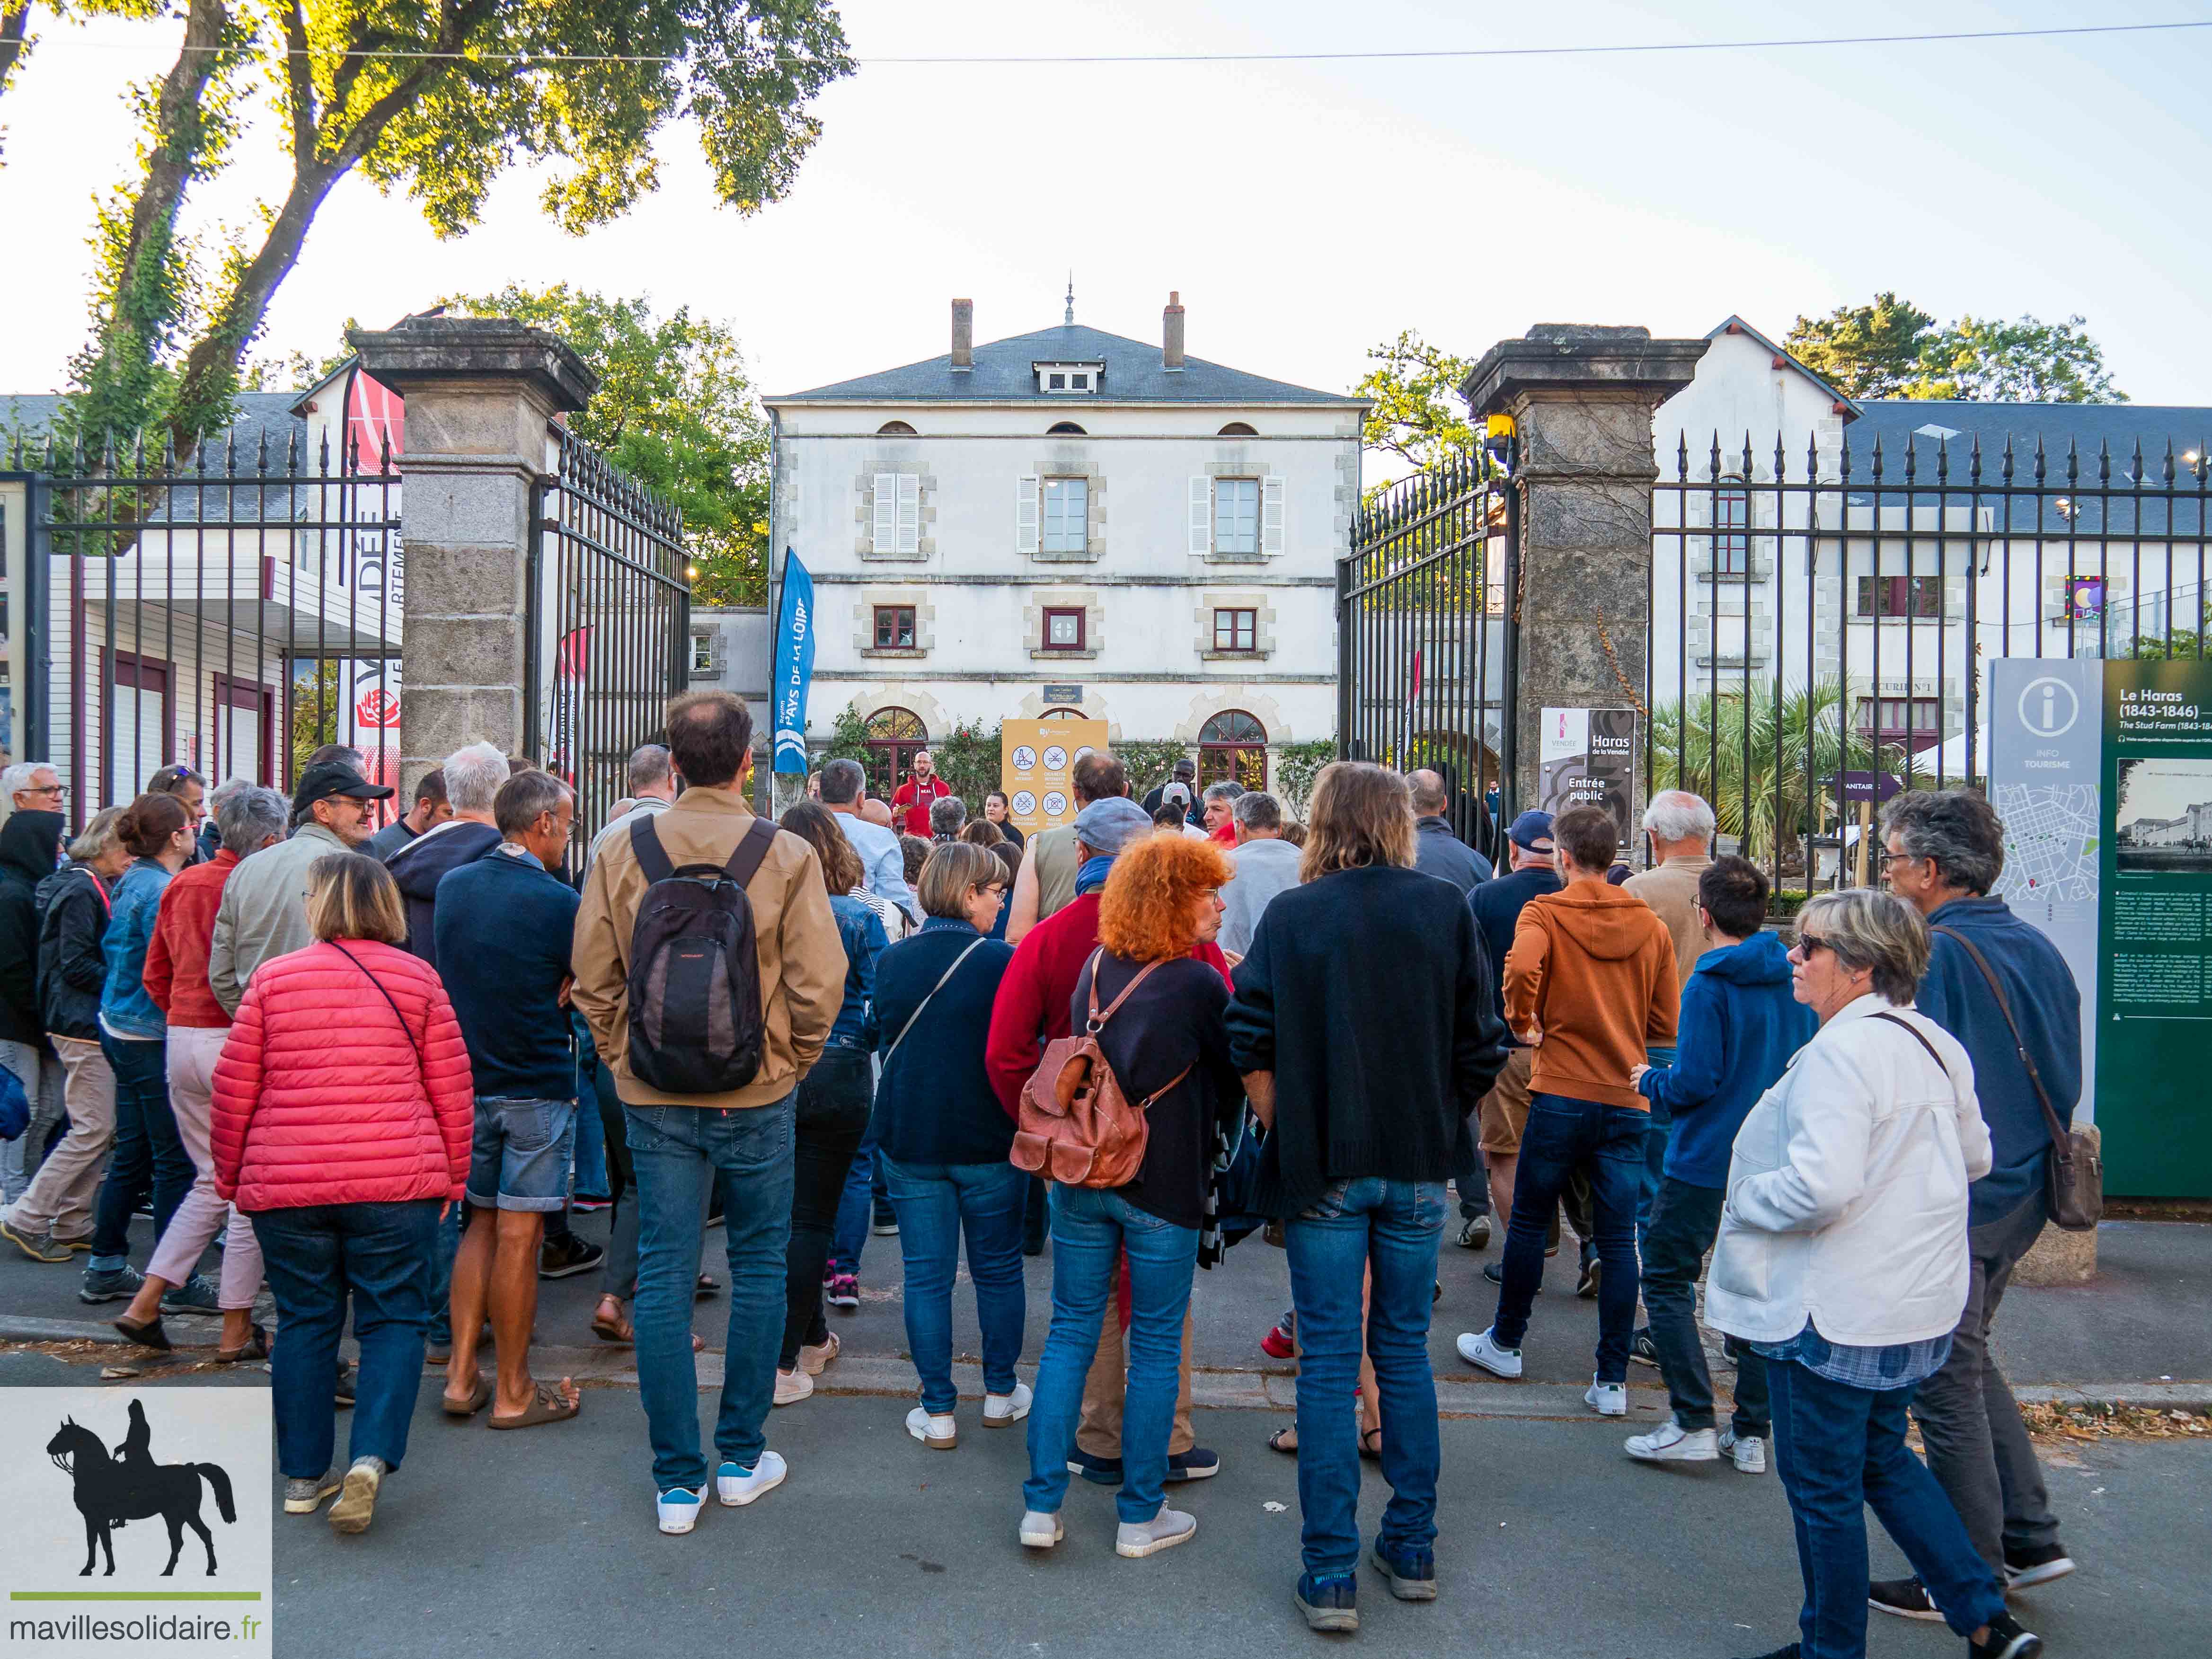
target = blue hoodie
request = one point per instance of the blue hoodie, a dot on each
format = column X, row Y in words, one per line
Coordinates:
column 1739, row 1027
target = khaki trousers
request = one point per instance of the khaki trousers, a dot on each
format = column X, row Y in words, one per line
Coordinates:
column 60, row 1197
column 1099, row 1430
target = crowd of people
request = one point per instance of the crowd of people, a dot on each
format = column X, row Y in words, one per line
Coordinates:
column 363, row 1061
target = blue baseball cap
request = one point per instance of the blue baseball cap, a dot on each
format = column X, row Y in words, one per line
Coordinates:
column 1533, row 829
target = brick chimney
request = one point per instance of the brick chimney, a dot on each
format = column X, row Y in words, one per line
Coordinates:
column 963, row 334
column 1172, row 332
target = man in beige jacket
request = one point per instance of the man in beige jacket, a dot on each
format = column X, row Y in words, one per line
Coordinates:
column 743, row 1139
column 1680, row 827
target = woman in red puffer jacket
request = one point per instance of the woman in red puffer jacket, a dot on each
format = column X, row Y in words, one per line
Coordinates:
column 343, row 1108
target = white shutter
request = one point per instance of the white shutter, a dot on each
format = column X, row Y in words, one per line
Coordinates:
column 1271, row 515
column 1202, row 516
column 910, row 512
column 1025, row 514
column 885, row 539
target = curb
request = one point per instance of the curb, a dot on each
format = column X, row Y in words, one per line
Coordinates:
column 887, row 1376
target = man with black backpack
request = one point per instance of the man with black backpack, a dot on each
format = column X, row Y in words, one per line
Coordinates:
column 709, row 968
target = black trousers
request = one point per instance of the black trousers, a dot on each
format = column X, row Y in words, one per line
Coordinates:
column 1684, row 1221
column 832, row 1115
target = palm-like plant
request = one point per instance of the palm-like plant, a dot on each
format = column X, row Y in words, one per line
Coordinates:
column 1767, row 759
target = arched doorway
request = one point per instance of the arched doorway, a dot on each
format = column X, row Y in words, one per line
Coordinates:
column 1233, row 744
column 894, row 734
column 1062, row 714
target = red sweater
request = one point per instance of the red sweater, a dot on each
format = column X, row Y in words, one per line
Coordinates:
column 1033, row 1005
column 911, row 806
column 176, row 973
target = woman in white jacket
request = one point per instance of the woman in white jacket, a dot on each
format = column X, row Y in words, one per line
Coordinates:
column 1841, row 1258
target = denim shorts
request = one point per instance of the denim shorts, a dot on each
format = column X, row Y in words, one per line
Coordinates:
column 518, row 1156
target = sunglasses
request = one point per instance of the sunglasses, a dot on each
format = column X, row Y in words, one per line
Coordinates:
column 1808, row 943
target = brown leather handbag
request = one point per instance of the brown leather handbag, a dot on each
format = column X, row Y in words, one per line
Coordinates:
column 1078, row 1126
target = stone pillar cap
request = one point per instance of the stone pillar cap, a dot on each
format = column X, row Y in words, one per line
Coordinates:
column 423, row 351
column 1563, row 358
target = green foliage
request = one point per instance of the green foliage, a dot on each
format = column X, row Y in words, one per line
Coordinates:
column 1296, row 766
column 848, row 738
column 971, row 759
column 435, row 101
column 1704, row 749
column 1892, row 348
column 675, row 410
column 316, row 710
column 1150, row 761
column 1414, row 387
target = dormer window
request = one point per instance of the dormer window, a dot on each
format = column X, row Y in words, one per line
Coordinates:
column 1068, row 380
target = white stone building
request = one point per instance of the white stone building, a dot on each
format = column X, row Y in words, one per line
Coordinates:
column 1071, row 522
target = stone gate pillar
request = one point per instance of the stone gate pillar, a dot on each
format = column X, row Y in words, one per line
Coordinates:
column 1581, row 398
column 479, row 393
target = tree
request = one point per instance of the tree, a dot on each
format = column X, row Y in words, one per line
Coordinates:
column 1414, row 387
column 436, row 101
column 16, row 40
column 675, row 410
column 1296, row 766
column 1774, row 802
column 1892, row 348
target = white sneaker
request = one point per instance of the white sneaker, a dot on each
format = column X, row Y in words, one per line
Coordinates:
column 1000, row 1409
column 1748, row 1450
column 1670, row 1442
column 792, row 1386
column 1136, row 1538
column 938, row 1432
column 1041, row 1532
column 678, row 1509
column 1607, row 1398
column 736, row 1488
column 1479, row 1349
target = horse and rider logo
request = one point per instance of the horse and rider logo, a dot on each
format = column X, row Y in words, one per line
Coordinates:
column 111, row 1492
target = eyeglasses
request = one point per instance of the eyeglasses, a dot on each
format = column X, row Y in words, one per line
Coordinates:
column 1808, row 943
column 56, row 790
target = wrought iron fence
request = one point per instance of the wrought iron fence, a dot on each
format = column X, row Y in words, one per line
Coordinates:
column 609, row 626
column 1821, row 620
column 228, row 613
column 1425, row 639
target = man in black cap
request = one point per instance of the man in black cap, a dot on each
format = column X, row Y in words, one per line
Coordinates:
column 1185, row 774
column 264, row 912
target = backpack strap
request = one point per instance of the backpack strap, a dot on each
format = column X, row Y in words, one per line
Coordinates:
column 652, row 856
column 2061, row 1145
column 1098, row 1020
column 745, row 864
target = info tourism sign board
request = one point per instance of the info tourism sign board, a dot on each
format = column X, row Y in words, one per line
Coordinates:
column 1037, row 768
column 1586, row 757
column 2154, row 1005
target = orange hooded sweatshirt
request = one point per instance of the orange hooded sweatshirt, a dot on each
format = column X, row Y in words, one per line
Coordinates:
column 1594, row 967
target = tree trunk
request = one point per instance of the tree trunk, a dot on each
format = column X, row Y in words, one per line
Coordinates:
column 15, row 30
column 179, row 136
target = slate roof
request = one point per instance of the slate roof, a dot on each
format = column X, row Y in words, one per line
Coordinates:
column 231, row 462
column 1002, row 374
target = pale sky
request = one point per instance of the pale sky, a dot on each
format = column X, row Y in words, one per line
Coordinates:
column 1305, row 211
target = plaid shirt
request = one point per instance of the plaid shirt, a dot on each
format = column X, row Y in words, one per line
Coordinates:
column 1899, row 1366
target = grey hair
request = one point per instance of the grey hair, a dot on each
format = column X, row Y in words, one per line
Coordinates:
column 946, row 814
column 1677, row 815
column 473, row 776
column 842, row 781
column 1227, row 789
column 649, row 767
column 1874, row 930
column 1257, row 810
column 247, row 815
column 98, row 837
column 19, row 776
column 1957, row 830
column 525, row 798
column 1427, row 787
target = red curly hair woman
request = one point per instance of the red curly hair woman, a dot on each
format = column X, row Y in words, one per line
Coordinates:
column 1165, row 1038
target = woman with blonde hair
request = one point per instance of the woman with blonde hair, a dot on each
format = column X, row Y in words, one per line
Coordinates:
column 1157, row 1013
column 1365, row 1023
column 343, row 1108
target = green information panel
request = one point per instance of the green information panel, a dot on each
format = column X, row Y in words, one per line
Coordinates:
column 2155, row 1001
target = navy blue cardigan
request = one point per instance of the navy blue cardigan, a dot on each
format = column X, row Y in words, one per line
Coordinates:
column 935, row 1102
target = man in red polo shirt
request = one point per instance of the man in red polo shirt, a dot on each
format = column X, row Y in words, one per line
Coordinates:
column 922, row 790
column 1032, row 1008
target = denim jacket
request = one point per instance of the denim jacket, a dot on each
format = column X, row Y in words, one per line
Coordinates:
column 861, row 930
column 125, row 1007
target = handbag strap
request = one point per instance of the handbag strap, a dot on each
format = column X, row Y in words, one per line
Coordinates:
column 1920, row 1037
column 420, row 1064
column 2061, row 1145
column 924, row 1003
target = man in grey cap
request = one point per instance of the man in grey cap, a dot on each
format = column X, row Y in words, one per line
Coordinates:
column 1032, row 1010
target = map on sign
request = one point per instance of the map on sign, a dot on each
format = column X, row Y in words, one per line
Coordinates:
column 2050, row 841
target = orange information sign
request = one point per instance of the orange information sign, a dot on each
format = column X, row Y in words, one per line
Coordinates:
column 1037, row 765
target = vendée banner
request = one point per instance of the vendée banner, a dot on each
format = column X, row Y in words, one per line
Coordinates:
column 794, row 664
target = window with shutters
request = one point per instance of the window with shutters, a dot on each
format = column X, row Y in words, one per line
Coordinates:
column 1066, row 515
column 1236, row 515
column 1236, row 630
column 895, row 509
column 1236, row 518
column 894, row 628
column 1063, row 630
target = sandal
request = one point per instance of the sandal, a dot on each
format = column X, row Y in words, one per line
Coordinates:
column 546, row 1406
column 1374, row 1453
column 1276, row 1441
column 257, row 1347
column 149, row 1335
column 475, row 1403
column 616, row 1329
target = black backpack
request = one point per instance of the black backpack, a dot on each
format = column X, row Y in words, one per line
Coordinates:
column 694, row 990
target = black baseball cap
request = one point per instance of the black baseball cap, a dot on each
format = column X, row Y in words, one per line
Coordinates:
column 336, row 777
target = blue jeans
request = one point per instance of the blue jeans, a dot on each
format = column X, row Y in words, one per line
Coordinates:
column 445, row 1245
column 316, row 1256
column 1091, row 1229
column 936, row 1203
column 679, row 1152
column 1612, row 1142
column 1392, row 1226
column 149, row 1157
column 1840, row 1451
column 593, row 1175
column 863, row 1190
column 1654, row 1154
